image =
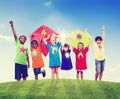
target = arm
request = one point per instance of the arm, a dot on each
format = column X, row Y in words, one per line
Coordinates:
column 103, row 33
column 45, row 39
column 88, row 35
column 13, row 30
column 27, row 56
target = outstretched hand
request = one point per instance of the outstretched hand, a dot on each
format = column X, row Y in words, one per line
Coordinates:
column 11, row 23
column 103, row 28
column 86, row 30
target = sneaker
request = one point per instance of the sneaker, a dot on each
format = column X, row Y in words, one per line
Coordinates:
column 43, row 73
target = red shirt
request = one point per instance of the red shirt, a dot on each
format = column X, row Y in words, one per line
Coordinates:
column 81, row 58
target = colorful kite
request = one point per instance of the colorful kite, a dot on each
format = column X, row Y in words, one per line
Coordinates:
column 42, row 32
column 79, row 36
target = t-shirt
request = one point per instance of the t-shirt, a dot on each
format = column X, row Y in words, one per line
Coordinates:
column 37, row 61
column 54, row 58
column 81, row 58
column 99, row 51
column 21, row 51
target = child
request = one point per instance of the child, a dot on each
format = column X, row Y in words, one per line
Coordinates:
column 37, row 61
column 22, row 58
column 54, row 58
column 66, row 59
column 98, row 46
column 81, row 65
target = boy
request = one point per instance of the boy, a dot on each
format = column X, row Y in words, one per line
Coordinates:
column 98, row 46
column 22, row 58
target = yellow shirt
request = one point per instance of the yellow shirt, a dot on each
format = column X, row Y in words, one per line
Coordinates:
column 99, row 51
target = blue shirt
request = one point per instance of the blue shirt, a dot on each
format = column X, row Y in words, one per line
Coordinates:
column 54, row 58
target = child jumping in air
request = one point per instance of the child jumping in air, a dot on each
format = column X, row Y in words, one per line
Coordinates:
column 81, row 65
column 54, row 58
column 66, row 58
column 98, row 46
column 37, row 61
column 22, row 58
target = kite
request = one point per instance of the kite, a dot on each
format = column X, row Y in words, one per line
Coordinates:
column 79, row 36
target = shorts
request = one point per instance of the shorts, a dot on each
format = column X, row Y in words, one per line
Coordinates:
column 37, row 71
column 20, row 71
column 99, row 65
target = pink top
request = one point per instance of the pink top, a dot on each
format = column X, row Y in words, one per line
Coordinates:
column 81, row 58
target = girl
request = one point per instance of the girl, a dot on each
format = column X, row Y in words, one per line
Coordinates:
column 66, row 59
column 80, row 53
column 54, row 58
column 37, row 61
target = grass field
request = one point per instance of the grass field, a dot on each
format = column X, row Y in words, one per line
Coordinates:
column 60, row 89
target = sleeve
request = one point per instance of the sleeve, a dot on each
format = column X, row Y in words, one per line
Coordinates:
column 86, row 49
column 69, row 50
column 17, row 41
column 48, row 45
column 58, row 44
column 74, row 50
column 27, row 50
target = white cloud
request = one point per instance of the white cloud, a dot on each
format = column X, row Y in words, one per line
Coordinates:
column 48, row 4
column 7, row 38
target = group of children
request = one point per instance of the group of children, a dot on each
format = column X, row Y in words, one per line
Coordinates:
column 22, row 58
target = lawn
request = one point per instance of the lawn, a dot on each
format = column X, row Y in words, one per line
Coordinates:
column 60, row 89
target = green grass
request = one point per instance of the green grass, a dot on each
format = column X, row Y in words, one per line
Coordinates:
column 60, row 89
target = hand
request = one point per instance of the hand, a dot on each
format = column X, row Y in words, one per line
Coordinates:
column 86, row 30
column 11, row 23
column 103, row 28
column 28, row 65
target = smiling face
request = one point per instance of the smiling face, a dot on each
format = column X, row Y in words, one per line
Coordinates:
column 22, row 39
column 53, row 40
column 34, row 44
column 80, row 46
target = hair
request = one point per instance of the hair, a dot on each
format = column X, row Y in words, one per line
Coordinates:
column 34, row 41
column 23, row 36
column 66, row 45
column 98, row 38
column 80, row 43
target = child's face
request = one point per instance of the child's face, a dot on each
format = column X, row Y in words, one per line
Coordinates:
column 65, row 48
column 22, row 39
column 53, row 40
column 34, row 45
column 98, row 41
column 80, row 46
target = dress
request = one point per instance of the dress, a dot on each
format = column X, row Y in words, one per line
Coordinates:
column 81, row 58
column 54, row 58
column 66, row 60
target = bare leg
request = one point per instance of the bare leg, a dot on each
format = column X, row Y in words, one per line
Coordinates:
column 53, row 73
column 77, row 75
column 81, row 75
column 36, row 77
column 18, row 80
column 96, row 76
column 57, row 73
column 100, row 76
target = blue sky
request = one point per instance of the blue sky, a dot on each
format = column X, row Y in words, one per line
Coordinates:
column 64, row 16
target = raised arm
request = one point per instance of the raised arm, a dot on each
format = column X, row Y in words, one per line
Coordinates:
column 103, row 33
column 45, row 39
column 13, row 30
column 88, row 35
